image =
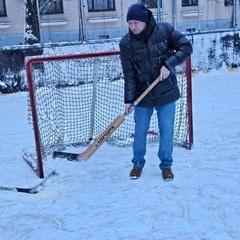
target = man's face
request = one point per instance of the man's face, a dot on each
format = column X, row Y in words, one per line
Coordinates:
column 136, row 26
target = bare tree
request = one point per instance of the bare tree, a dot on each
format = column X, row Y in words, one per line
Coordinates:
column 34, row 9
column 31, row 29
column 44, row 5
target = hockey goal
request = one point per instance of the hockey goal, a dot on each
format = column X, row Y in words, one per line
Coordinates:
column 73, row 98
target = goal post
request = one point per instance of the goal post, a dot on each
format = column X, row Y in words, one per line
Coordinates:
column 73, row 98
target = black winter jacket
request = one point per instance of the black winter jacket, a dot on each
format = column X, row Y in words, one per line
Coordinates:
column 142, row 56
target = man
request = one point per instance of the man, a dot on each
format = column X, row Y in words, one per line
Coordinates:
column 148, row 51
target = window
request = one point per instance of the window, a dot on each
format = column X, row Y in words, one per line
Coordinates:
column 152, row 3
column 228, row 2
column 189, row 3
column 51, row 6
column 3, row 12
column 101, row 5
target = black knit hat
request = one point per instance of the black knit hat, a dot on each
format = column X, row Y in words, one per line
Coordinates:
column 137, row 12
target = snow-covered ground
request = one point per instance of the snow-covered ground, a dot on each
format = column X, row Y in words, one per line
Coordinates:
column 96, row 200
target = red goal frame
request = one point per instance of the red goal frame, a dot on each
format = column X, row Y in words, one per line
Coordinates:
column 31, row 90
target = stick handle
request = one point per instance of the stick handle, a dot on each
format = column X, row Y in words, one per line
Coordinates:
column 153, row 84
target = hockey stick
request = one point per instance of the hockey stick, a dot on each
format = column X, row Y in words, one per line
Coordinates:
column 104, row 135
column 33, row 190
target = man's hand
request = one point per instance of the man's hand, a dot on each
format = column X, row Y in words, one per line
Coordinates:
column 164, row 73
column 129, row 108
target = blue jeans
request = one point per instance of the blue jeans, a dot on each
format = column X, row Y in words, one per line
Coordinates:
column 142, row 117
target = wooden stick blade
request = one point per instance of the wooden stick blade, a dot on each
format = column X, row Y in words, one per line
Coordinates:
column 67, row 155
column 95, row 145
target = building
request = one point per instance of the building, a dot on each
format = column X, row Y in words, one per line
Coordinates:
column 86, row 20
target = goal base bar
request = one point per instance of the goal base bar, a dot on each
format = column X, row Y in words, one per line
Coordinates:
column 30, row 157
column 67, row 155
